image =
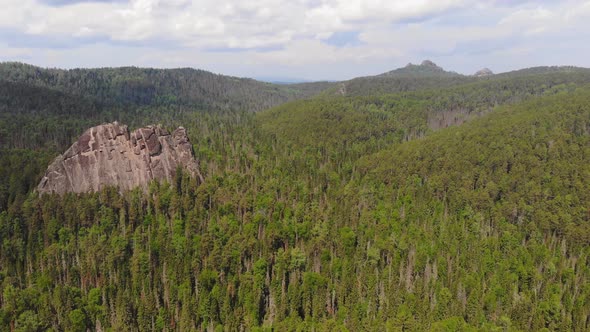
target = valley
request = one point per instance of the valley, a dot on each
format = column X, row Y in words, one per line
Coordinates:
column 416, row 200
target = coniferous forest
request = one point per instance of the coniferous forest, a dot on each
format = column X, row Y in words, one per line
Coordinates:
column 409, row 201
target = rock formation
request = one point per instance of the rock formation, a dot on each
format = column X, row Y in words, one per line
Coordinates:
column 425, row 64
column 110, row 155
column 425, row 69
column 428, row 63
column 483, row 73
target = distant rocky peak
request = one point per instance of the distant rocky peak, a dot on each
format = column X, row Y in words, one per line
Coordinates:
column 425, row 69
column 425, row 63
column 428, row 63
column 483, row 72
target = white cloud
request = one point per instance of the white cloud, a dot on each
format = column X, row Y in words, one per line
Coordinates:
column 281, row 33
column 8, row 53
column 387, row 10
column 235, row 23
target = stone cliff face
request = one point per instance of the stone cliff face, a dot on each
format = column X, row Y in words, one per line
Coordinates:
column 110, row 155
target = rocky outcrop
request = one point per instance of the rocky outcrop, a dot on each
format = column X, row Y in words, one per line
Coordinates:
column 425, row 69
column 111, row 155
column 425, row 65
column 483, row 73
column 428, row 63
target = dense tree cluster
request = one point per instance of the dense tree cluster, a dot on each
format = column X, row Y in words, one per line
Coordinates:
column 351, row 214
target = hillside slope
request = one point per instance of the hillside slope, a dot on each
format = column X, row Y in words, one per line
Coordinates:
column 47, row 109
column 365, row 213
column 430, row 76
column 482, row 226
column 331, row 122
column 160, row 87
column 522, row 164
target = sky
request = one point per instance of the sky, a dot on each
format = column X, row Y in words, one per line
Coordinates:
column 301, row 39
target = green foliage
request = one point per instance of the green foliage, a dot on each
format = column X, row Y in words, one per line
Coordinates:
column 128, row 86
column 518, row 165
column 77, row 320
column 332, row 214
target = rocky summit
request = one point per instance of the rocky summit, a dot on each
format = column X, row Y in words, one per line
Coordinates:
column 111, row 155
column 483, row 73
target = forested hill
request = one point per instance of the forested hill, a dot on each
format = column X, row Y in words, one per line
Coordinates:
column 426, row 69
column 160, row 87
column 543, row 70
column 433, row 207
column 48, row 108
column 478, row 227
column 428, row 75
column 521, row 164
column 402, row 116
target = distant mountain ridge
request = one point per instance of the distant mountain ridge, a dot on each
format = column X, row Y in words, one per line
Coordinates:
column 426, row 68
column 82, row 98
column 409, row 78
column 483, row 72
column 428, row 75
column 540, row 70
column 149, row 86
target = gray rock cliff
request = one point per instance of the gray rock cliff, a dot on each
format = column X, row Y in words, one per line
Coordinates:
column 111, row 155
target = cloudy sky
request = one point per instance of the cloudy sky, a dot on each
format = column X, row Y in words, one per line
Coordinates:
column 306, row 39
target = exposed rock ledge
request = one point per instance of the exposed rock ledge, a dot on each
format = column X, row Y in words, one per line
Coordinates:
column 109, row 155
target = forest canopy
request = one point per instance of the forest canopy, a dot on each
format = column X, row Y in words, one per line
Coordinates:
column 461, row 204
